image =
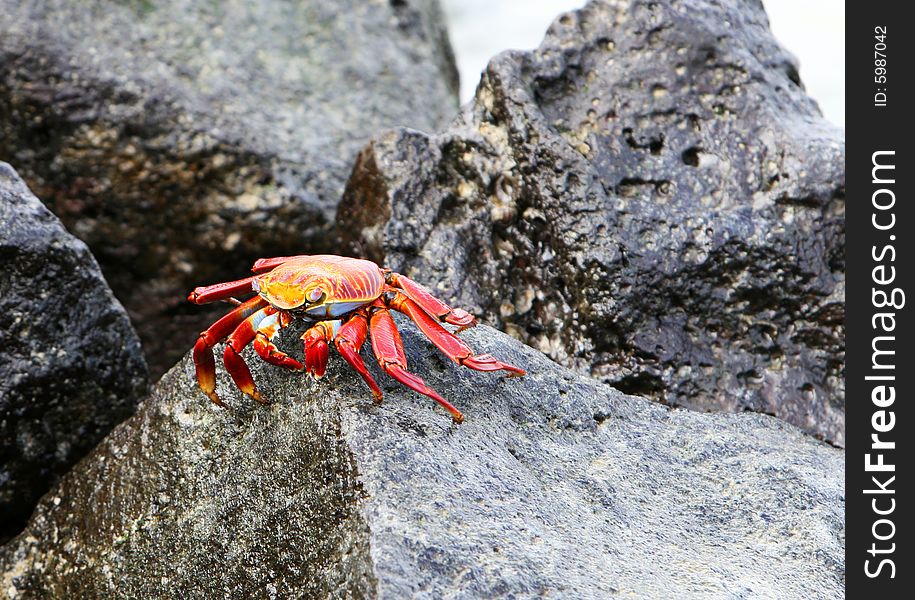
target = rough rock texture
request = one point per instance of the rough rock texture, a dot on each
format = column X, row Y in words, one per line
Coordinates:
column 70, row 362
column 555, row 485
column 181, row 139
column 649, row 197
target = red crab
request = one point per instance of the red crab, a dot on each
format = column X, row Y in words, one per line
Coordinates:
column 343, row 299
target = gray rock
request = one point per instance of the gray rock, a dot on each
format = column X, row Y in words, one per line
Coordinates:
column 70, row 362
column 182, row 139
column 649, row 197
column 555, row 485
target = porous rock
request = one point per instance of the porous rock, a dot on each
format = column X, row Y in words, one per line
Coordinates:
column 182, row 139
column 555, row 485
column 649, row 197
column 70, row 362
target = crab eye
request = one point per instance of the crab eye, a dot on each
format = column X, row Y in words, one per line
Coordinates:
column 316, row 296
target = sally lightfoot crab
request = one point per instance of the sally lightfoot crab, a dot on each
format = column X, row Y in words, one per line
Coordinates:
column 344, row 300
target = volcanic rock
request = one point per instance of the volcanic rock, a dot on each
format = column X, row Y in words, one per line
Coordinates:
column 70, row 362
column 182, row 139
column 555, row 485
column 649, row 197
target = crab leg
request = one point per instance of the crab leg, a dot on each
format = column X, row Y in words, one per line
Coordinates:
column 263, row 341
column 349, row 342
column 316, row 350
column 429, row 303
column 388, row 349
column 242, row 336
column 221, row 291
column 453, row 346
column 204, row 362
column 262, row 265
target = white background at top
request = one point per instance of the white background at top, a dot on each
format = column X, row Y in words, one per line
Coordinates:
column 813, row 30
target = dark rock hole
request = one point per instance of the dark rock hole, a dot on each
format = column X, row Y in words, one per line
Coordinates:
column 793, row 75
column 600, row 417
column 691, row 156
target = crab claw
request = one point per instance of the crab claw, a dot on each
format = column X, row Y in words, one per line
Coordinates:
column 461, row 318
column 488, row 362
column 316, row 351
column 316, row 359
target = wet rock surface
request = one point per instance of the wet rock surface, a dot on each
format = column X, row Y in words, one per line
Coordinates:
column 183, row 139
column 555, row 485
column 70, row 362
column 649, row 197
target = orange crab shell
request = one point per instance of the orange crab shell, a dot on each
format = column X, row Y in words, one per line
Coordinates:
column 344, row 283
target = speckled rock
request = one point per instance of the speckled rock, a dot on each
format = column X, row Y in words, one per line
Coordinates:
column 555, row 485
column 649, row 197
column 181, row 139
column 70, row 362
